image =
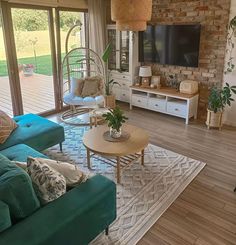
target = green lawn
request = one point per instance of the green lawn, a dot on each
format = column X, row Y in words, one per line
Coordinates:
column 44, row 65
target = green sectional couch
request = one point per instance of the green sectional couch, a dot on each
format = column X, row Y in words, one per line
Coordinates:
column 75, row 218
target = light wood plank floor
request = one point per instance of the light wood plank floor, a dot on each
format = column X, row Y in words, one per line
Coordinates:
column 205, row 213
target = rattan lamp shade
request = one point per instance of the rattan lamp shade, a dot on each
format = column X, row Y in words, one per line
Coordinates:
column 131, row 15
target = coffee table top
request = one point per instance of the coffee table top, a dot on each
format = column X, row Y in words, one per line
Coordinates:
column 94, row 141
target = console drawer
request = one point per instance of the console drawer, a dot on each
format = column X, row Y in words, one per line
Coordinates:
column 124, row 95
column 177, row 108
column 157, row 105
column 139, row 101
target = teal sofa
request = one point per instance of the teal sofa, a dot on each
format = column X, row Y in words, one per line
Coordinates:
column 75, row 218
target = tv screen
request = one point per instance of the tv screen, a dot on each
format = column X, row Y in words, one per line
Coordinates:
column 170, row 44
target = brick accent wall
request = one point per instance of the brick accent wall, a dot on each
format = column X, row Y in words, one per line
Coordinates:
column 213, row 15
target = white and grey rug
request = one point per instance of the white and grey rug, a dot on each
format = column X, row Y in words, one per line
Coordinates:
column 146, row 191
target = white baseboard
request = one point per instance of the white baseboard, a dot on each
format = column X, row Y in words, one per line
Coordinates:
column 230, row 123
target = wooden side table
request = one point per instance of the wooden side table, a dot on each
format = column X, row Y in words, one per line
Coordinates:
column 96, row 115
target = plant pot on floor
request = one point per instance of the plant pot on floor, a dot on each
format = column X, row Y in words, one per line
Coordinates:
column 214, row 119
column 110, row 101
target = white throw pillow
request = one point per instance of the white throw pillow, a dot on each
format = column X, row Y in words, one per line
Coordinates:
column 76, row 86
column 73, row 175
column 50, row 183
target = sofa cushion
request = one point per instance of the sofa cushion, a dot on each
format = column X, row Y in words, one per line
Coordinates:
column 36, row 132
column 5, row 220
column 7, row 125
column 16, row 190
column 20, row 153
column 49, row 183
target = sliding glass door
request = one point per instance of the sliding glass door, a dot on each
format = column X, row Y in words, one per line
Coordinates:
column 5, row 93
column 34, row 57
column 35, row 47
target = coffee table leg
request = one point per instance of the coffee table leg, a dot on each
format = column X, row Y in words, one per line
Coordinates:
column 142, row 157
column 118, row 170
column 88, row 158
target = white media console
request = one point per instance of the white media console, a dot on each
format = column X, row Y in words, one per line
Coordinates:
column 165, row 100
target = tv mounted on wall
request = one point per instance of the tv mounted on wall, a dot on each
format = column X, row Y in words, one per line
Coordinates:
column 170, row 44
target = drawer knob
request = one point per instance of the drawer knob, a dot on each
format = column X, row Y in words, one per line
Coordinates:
column 139, row 100
column 123, row 94
column 123, row 76
column 176, row 109
column 156, row 105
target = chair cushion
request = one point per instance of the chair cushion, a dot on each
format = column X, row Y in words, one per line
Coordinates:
column 36, row 132
column 16, row 190
column 70, row 99
column 5, row 219
column 7, row 125
column 20, row 153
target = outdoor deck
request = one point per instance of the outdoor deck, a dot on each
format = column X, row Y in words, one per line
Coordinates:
column 37, row 94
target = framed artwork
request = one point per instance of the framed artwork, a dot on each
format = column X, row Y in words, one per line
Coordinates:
column 156, row 81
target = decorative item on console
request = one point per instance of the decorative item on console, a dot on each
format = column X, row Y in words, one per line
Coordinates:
column 173, row 81
column 156, row 82
column 188, row 87
column 145, row 73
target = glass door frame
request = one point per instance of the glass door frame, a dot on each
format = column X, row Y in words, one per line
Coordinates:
column 11, row 54
column 58, row 44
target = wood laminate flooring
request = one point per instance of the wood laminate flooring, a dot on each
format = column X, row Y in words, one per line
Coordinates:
column 205, row 213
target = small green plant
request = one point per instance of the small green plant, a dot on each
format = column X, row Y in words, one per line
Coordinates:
column 115, row 118
column 219, row 98
column 109, row 83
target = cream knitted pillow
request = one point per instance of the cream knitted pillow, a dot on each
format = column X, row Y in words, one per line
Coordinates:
column 7, row 125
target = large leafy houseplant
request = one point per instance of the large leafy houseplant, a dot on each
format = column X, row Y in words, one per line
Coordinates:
column 221, row 97
column 115, row 119
column 109, row 83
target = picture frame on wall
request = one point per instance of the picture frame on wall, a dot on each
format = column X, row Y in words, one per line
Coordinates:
column 156, row 81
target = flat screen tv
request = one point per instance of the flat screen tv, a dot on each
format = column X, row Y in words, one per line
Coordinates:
column 170, row 44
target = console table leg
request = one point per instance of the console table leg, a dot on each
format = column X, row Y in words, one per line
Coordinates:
column 88, row 158
column 118, row 170
column 142, row 157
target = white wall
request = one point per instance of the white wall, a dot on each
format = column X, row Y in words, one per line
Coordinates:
column 230, row 112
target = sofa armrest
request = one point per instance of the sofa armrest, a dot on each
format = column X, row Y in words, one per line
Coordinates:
column 75, row 218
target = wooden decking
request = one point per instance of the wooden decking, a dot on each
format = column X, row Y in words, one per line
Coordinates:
column 37, row 94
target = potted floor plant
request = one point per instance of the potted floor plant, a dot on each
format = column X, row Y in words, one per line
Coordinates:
column 218, row 99
column 110, row 100
column 115, row 119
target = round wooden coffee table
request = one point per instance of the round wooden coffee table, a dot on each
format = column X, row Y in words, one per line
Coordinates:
column 117, row 154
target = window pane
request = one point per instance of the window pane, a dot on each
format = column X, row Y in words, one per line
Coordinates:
column 31, row 32
column 5, row 95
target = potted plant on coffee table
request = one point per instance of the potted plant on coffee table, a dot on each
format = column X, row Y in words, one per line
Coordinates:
column 115, row 119
column 110, row 100
column 218, row 99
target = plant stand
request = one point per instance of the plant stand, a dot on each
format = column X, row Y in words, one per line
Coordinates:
column 110, row 101
column 214, row 120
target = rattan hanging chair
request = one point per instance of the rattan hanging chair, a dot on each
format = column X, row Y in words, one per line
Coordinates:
column 82, row 67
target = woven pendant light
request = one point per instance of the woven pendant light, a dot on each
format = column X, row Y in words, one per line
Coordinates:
column 131, row 15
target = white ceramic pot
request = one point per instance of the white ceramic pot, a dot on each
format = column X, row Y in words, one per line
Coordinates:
column 115, row 133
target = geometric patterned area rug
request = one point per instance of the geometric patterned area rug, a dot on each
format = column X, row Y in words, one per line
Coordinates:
column 145, row 192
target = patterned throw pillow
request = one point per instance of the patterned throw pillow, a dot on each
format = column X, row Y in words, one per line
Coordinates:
column 73, row 175
column 7, row 125
column 92, row 86
column 49, row 183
